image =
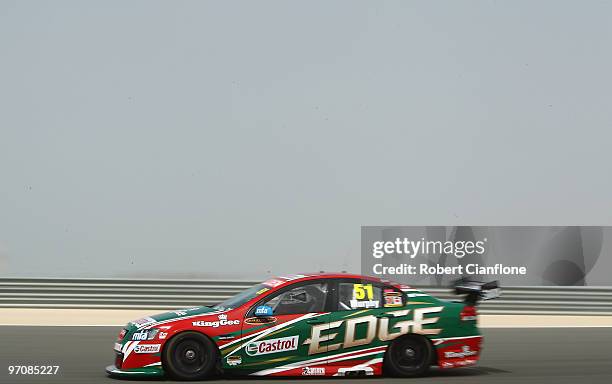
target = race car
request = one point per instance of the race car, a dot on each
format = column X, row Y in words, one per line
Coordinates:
column 308, row 325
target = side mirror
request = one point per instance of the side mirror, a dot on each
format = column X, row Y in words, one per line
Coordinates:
column 263, row 311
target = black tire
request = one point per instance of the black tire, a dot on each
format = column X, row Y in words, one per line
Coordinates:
column 190, row 356
column 408, row 356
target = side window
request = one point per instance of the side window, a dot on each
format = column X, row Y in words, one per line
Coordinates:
column 367, row 295
column 302, row 299
column 358, row 295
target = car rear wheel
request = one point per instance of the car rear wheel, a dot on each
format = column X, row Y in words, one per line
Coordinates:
column 190, row 356
column 408, row 356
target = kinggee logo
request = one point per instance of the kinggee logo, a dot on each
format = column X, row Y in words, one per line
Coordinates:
column 215, row 324
column 264, row 347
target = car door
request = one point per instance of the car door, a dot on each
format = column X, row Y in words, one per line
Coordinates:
column 360, row 323
column 285, row 337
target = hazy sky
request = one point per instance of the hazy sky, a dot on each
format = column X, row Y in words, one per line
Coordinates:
column 228, row 139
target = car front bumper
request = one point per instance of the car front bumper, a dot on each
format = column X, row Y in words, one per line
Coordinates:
column 134, row 372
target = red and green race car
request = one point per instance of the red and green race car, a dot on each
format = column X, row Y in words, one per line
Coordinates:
column 308, row 325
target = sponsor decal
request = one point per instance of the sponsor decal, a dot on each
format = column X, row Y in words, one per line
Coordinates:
column 147, row 348
column 162, row 335
column 361, row 291
column 180, row 313
column 458, row 363
column 364, row 304
column 363, row 297
column 273, row 283
column 215, row 324
column 264, row 347
column 263, row 310
column 144, row 321
column 262, row 291
column 234, row 360
column 465, row 352
column 392, row 298
column 313, row 371
column 260, row 320
column 372, row 324
column 281, row 280
column 144, row 335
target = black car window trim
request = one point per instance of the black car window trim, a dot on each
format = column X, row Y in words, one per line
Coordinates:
column 328, row 298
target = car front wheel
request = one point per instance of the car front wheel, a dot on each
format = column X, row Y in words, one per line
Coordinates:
column 190, row 356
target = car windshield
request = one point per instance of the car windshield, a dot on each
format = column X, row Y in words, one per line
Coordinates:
column 242, row 297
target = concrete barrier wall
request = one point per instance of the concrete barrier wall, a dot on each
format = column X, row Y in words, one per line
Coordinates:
column 163, row 294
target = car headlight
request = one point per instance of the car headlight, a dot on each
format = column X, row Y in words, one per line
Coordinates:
column 122, row 334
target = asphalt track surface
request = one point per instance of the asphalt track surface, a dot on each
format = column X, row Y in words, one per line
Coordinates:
column 532, row 355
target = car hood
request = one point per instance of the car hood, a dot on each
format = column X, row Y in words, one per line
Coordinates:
column 170, row 315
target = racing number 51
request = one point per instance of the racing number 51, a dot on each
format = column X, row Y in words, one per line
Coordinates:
column 360, row 291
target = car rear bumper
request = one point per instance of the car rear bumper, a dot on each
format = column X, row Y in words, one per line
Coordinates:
column 455, row 352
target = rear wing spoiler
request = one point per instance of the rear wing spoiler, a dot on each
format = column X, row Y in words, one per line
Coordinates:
column 476, row 290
